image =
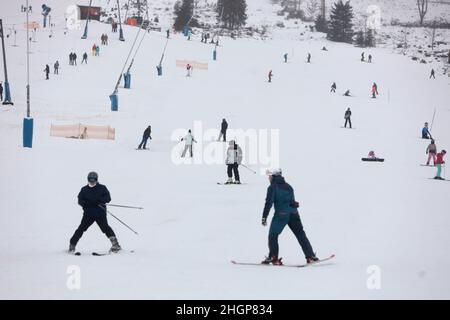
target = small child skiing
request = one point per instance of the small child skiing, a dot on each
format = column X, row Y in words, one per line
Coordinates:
column 439, row 162
column 188, row 70
column 374, row 90
column 431, row 151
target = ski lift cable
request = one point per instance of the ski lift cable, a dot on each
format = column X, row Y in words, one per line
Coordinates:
column 128, row 57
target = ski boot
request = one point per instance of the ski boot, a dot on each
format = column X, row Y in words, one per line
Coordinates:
column 115, row 245
column 229, row 181
column 237, row 182
column 272, row 260
column 311, row 260
column 439, row 178
column 71, row 248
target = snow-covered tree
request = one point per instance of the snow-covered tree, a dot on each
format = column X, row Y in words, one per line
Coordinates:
column 232, row 13
column 340, row 27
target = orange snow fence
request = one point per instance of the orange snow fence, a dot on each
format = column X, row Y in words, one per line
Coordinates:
column 194, row 64
column 81, row 131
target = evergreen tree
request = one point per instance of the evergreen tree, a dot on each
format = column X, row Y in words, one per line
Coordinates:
column 341, row 26
column 232, row 13
column 321, row 24
column 370, row 38
column 360, row 39
column 184, row 11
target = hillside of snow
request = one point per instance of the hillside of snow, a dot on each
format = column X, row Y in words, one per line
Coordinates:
column 389, row 216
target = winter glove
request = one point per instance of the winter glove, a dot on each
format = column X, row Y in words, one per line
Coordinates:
column 295, row 204
column 264, row 221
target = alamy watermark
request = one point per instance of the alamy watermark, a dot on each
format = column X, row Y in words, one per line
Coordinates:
column 260, row 147
column 374, row 280
column 74, row 277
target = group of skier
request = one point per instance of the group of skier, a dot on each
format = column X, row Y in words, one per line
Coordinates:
column 431, row 151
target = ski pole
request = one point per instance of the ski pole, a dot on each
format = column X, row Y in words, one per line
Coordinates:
column 122, row 206
column 107, row 211
column 432, row 121
column 248, row 168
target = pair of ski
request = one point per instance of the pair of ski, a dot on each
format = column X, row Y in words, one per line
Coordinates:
column 229, row 184
column 100, row 254
column 283, row 265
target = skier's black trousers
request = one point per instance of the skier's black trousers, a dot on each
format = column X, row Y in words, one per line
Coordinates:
column 349, row 122
column 233, row 168
column 87, row 221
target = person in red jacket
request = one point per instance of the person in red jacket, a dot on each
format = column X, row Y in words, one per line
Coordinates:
column 270, row 76
column 374, row 90
column 439, row 162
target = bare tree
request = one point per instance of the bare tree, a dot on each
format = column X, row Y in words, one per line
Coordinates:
column 432, row 34
column 312, row 7
column 422, row 6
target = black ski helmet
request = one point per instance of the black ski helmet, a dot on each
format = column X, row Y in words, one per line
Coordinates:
column 92, row 176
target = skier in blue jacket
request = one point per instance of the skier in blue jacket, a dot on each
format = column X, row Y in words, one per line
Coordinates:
column 425, row 132
column 281, row 195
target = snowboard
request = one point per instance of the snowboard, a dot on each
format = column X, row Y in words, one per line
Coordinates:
column 427, row 165
column 373, row 159
column 347, row 128
column 283, row 265
column 439, row 179
column 147, row 149
column 100, row 254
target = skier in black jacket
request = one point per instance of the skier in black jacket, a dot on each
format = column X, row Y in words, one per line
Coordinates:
column 93, row 198
column 223, row 130
column 347, row 117
column 145, row 137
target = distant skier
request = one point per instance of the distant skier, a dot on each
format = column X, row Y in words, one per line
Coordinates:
column 189, row 138
column 426, row 134
column 324, row 49
column 71, row 59
column 309, row 58
column 431, row 151
column 223, row 130
column 97, row 51
column 370, row 58
column 333, row 87
column 1, row 92
column 93, row 199
column 47, row 71
column 233, row 160
column 362, row 57
column 374, row 90
column 432, row 74
column 74, row 58
column 188, row 70
column 85, row 56
column 56, row 67
column 189, row 34
column 94, row 49
column 439, row 162
column 347, row 117
column 285, row 57
column 281, row 195
column 167, row 33
column 145, row 136
column 347, row 93
column 270, row 76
